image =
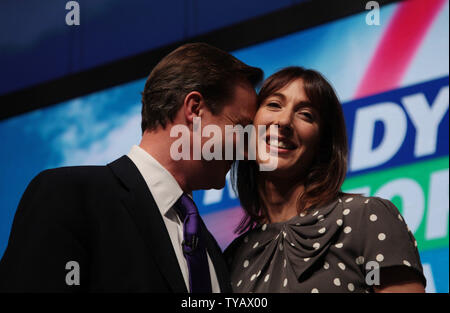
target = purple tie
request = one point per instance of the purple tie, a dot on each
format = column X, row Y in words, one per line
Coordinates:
column 194, row 246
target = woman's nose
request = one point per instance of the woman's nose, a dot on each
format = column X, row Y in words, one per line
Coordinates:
column 284, row 120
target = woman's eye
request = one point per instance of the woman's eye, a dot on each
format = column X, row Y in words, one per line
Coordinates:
column 273, row 105
column 308, row 115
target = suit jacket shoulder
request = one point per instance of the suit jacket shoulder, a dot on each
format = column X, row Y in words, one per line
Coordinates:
column 105, row 219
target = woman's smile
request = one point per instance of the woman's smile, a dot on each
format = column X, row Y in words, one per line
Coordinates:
column 295, row 138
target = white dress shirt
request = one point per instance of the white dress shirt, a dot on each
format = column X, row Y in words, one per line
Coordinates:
column 166, row 191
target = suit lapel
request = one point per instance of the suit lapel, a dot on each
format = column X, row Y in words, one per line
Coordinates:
column 147, row 217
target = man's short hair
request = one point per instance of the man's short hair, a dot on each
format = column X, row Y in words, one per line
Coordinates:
column 192, row 67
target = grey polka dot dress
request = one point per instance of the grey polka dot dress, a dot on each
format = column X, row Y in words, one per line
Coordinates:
column 336, row 248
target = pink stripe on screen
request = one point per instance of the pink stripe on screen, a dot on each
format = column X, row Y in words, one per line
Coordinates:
column 221, row 224
column 400, row 42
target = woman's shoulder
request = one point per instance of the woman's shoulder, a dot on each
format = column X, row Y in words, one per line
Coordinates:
column 364, row 205
column 357, row 200
column 379, row 233
column 370, row 213
column 375, row 217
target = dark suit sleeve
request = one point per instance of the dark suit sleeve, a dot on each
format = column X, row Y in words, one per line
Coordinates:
column 48, row 231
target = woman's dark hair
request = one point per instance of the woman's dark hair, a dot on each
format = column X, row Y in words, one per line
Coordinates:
column 327, row 173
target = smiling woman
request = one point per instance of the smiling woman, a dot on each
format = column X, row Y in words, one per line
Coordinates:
column 309, row 116
column 301, row 233
column 298, row 123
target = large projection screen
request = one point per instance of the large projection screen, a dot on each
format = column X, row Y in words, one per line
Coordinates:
column 393, row 82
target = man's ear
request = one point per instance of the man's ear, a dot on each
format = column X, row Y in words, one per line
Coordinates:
column 193, row 106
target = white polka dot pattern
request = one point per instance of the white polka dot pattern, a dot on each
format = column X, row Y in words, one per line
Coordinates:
column 351, row 287
column 358, row 231
column 380, row 257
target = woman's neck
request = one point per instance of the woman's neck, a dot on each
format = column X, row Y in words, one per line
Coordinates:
column 280, row 197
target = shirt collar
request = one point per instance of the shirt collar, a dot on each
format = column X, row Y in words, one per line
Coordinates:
column 163, row 186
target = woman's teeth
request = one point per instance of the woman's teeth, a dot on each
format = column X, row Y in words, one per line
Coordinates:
column 279, row 144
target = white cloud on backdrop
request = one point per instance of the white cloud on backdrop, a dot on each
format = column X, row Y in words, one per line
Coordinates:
column 88, row 130
column 116, row 143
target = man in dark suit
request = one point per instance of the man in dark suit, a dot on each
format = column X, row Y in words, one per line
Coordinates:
column 119, row 227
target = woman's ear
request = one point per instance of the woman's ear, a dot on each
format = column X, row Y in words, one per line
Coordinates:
column 192, row 106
